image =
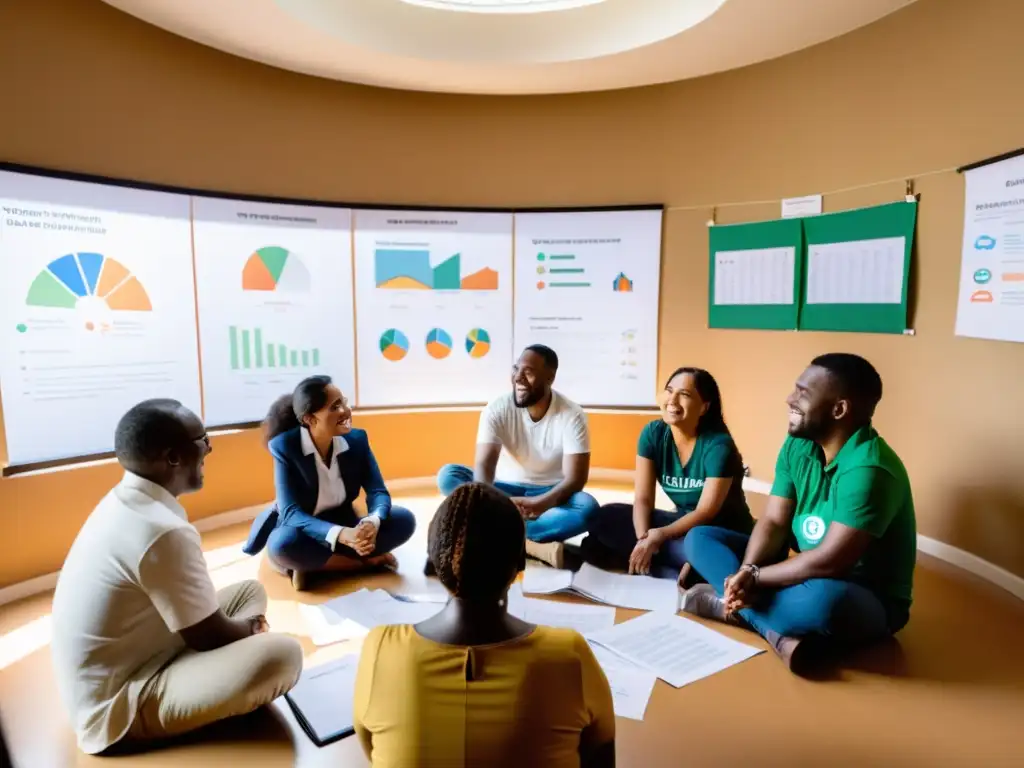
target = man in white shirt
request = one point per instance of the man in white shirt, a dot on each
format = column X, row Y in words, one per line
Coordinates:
column 143, row 646
column 537, row 443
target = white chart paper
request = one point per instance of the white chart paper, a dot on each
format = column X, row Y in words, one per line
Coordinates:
column 991, row 300
column 582, row 618
column 274, row 284
column 325, row 693
column 324, row 628
column 546, row 581
column 755, row 276
column 97, row 311
column 587, row 285
column 433, row 306
column 631, row 684
column 677, row 650
column 373, row 608
column 856, row 272
column 643, row 593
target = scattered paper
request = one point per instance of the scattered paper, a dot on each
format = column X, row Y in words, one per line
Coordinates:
column 677, row 650
column 644, row 593
column 582, row 618
column 324, row 629
column 440, row 598
column 546, row 581
column 324, row 696
column 631, row 684
column 374, row 608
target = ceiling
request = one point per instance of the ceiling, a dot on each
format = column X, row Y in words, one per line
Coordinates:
column 509, row 46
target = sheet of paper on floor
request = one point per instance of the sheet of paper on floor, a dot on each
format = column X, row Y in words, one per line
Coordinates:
column 677, row 650
column 324, row 695
column 631, row 684
column 372, row 608
column 644, row 593
column 323, row 627
column 541, row 580
column 582, row 618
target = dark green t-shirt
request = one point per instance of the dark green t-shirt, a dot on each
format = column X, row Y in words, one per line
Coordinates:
column 714, row 455
column 865, row 487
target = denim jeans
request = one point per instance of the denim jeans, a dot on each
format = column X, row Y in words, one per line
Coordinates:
column 293, row 550
column 846, row 612
column 571, row 518
column 613, row 530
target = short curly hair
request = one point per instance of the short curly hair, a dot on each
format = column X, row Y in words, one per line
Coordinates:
column 477, row 542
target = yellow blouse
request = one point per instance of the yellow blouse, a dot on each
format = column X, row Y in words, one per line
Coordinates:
column 532, row 701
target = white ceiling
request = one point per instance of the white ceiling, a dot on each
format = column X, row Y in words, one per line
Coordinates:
column 509, row 46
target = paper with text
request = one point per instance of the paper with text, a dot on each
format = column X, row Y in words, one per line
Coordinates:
column 373, row 608
column 677, row 650
column 631, row 684
column 755, row 276
column 324, row 695
column 582, row 618
column 856, row 272
column 643, row 593
column 546, row 581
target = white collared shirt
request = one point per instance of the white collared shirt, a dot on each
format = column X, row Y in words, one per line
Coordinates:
column 134, row 578
column 331, row 491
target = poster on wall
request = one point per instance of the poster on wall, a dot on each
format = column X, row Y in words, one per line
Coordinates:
column 433, row 306
column 991, row 299
column 587, row 285
column 274, row 285
column 97, row 311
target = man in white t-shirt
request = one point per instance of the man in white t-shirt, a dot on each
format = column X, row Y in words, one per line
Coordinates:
column 143, row 646
column 536, row 442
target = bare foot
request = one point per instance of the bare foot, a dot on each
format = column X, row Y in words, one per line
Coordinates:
column 387, row 560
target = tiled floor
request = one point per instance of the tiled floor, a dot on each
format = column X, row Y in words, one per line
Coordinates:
column 949, row 692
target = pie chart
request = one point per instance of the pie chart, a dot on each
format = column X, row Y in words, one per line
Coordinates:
column 89, row 278
column 394, row 345
column 478, row 342
column 439, row 344
column 274, row 268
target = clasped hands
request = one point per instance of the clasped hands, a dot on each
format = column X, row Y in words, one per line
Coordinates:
column 362, row 538
column 739, row 590
column 530, row 507
column 646, row 548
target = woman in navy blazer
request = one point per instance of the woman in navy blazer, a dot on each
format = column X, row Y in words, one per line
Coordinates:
column 320, row 464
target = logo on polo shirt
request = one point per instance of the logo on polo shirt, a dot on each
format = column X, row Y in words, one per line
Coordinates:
column 682, row 483
column 813, row 528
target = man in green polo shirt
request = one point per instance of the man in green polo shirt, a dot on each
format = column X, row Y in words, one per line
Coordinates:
column 841, row 499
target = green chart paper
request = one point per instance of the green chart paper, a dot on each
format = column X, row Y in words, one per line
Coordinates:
column 754, row 275
column 857, row 269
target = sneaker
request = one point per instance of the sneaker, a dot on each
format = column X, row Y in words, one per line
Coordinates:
column 552, row 553
column 702, row 601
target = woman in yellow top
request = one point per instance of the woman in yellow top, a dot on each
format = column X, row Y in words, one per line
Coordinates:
column 474, row 686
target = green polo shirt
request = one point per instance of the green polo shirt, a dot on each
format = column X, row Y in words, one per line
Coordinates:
column 865, row 487
column 714, row 455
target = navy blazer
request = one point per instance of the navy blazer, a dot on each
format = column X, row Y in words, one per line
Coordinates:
column 297, row 486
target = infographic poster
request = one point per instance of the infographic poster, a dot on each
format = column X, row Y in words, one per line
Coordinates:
column 587, row 286
column 274, row 285
column 991, row 302
column 97, row 311
column 433, row 306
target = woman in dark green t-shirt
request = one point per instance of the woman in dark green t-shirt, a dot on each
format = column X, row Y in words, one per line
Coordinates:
column 691, row 454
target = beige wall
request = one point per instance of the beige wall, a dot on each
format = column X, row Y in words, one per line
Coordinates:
column 936, row 85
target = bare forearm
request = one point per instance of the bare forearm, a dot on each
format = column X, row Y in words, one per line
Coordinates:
column 795, row 570
column 766, row 542
column 686, row 523
column 642, row 509
column 560, row 493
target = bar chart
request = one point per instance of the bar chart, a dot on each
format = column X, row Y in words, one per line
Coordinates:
column 248, row 350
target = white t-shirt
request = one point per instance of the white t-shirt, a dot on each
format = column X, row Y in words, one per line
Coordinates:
column 133, row 579
column 532, row 451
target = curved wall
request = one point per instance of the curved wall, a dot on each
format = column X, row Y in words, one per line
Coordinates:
column 89, row 89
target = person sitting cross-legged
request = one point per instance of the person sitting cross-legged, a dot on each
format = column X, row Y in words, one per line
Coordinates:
column 321, row 462
column 143, row 646
column 690, row 453
column 842, row 499
column 537, row 443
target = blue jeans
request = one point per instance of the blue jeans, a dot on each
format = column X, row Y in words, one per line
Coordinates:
column 293, row 550
column 556, row 524
column 843, row 611
column 613, row 530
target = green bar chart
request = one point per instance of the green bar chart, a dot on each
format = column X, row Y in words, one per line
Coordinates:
column 248, row 351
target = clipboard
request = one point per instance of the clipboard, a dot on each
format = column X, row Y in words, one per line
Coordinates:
column 322, row 700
